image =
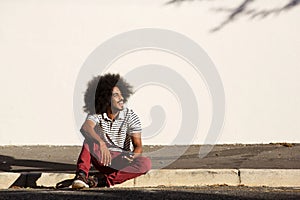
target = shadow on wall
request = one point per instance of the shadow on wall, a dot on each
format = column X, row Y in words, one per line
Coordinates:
column 244, row 8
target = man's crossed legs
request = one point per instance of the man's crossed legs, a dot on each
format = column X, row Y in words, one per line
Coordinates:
column 120, row 170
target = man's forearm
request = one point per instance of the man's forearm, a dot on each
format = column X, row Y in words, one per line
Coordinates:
column 138, row 151
column 91, row 133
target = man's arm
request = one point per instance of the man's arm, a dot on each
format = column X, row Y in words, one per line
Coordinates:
column 88, row 129
column 137, row 144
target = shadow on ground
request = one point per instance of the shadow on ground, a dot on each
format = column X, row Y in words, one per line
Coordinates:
column 35, row 167
column 7, row 163
column 144, row 193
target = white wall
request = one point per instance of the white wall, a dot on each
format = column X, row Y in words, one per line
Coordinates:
column 43, row 45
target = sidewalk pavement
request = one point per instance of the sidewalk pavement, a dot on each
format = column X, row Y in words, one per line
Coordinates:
column 274, row 165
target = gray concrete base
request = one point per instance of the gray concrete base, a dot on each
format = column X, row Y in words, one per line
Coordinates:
column 270, row 177
column 171, row 177
column 7, row 179
column 188, row 177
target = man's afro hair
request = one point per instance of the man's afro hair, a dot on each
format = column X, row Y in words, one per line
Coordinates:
column 97, row 97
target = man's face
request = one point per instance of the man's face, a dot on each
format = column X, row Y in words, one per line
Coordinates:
column 117, row 102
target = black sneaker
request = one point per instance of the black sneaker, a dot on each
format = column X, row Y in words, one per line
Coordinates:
column 80, row 181
column 92, row 181
column 101, row 178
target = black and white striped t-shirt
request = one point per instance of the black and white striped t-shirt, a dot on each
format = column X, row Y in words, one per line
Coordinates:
column 117, row 133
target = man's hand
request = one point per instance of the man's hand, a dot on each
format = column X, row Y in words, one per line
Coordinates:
column 105, row 154
column 129, row 158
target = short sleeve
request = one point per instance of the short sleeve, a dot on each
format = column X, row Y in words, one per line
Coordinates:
column 93, row 118
column 134, row 123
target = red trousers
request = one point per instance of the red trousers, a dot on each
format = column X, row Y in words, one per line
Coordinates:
column 119, row 171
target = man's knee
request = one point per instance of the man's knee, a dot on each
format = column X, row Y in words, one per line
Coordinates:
column 145, row 164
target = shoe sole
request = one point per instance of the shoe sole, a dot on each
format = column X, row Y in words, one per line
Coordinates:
column 78, row 184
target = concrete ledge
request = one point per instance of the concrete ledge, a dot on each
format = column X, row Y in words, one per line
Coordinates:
column 7, row 179
column 188, row 177
column 129, row 183
column 170, row 177
column 270, row 177
column 51, row 179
